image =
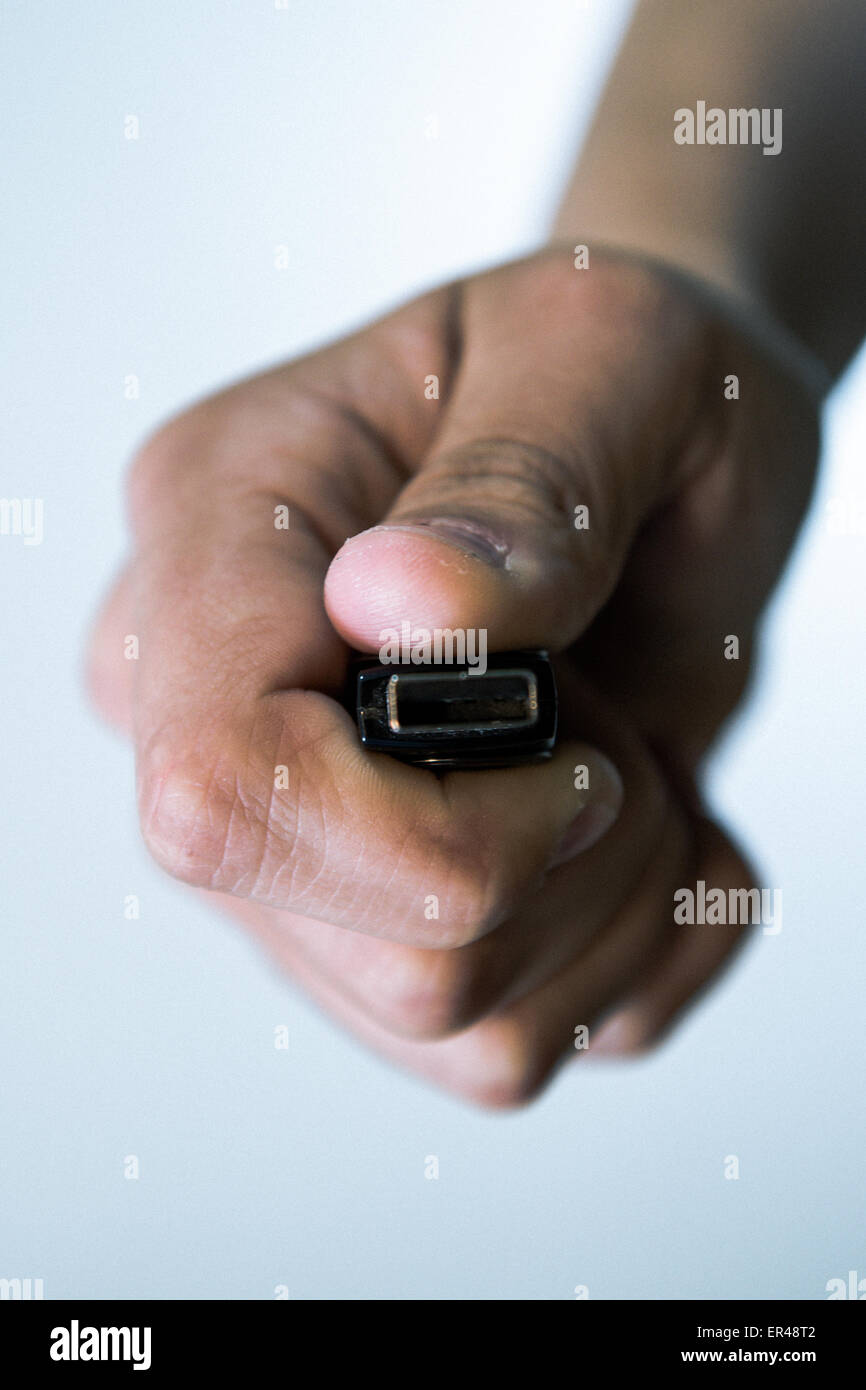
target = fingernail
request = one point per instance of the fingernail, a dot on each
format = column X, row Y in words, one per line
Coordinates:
column 594, row 819
column 468, row 536
column 585, row 830
column 620, row 1036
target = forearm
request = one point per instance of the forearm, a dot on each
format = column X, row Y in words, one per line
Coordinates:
column 783, row 230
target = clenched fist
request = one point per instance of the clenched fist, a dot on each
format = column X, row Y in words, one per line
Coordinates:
column 433, row 465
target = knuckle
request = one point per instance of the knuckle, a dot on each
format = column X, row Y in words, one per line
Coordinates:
column 507, row 1069
column 532, row 483
column 149, row 466
column 178, row 452
column 640, row 1045
column 200, row 821
column 414, row 338
column 429, row 996
column 631, row 1034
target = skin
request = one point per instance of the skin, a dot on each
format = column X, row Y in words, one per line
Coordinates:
column 557, row 388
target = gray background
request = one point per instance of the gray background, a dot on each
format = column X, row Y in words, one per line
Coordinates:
column 309, row 128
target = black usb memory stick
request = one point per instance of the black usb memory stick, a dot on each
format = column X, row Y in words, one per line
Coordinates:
column 458, row 716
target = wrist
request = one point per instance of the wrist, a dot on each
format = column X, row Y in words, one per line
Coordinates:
column 710, row 275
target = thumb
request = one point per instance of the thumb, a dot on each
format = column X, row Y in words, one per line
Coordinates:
column 554, row 447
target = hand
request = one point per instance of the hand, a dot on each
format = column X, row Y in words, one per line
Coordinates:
column 557, row 389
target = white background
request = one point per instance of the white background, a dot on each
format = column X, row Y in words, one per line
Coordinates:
column 309, row 128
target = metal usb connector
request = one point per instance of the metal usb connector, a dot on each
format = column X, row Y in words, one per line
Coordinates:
column 457, row 716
